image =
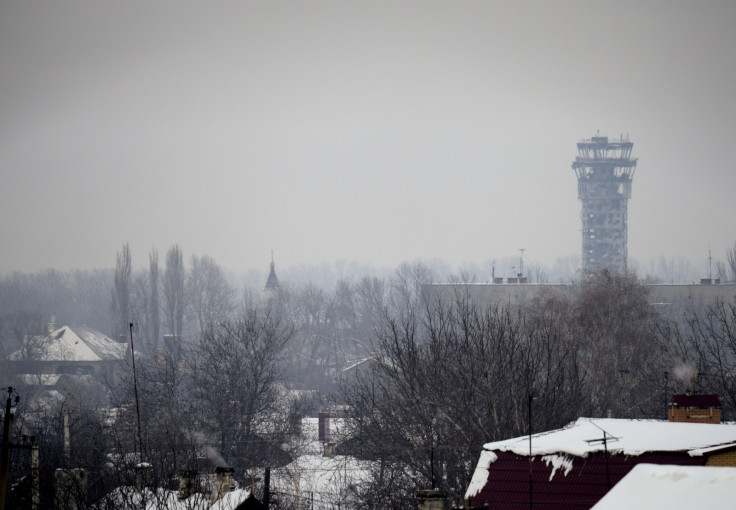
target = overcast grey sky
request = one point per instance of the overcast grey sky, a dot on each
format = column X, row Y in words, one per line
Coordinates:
column 374, row 132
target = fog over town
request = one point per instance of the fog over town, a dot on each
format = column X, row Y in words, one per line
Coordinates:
column 373, row 132
column 364, row 255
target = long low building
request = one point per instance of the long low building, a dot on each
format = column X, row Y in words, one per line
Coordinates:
column 669, row 299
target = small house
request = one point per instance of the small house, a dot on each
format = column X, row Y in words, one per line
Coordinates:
column 695, row 408
column 69, row 350
column 574, row 467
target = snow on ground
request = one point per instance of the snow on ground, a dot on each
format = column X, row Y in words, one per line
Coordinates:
column 630, row 437
column 314, row 478
column 672, row 488
column 128, row 498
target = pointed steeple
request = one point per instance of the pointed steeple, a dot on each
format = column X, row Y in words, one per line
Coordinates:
column 269, row 292
column 272, row 283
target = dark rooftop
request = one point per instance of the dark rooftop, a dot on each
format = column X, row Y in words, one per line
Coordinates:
column 696, row 400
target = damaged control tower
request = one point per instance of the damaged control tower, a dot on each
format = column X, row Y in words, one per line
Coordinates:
column 604, row 169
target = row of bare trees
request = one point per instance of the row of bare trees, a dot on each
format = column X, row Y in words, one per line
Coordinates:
column 452, row 374
column 176, row 300
column 190, row 298
column 447, row 374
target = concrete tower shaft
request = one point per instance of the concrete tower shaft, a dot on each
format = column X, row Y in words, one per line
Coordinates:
column 604, row 169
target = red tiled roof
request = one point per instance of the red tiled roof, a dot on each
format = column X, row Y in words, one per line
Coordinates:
column 586, row 482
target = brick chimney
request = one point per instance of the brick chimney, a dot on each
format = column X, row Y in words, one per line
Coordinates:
column 143, row 475
column 71, row 489
column 52, row 326
column 695, row 409
column 186, row 483
column 223, row 482
column 431, row 500
column 329, row 450
column 323, row 422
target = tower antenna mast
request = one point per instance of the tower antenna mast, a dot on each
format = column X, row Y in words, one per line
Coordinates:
column 135, row 390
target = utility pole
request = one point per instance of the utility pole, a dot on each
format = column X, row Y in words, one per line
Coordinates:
column 35, row 478
column 67, row 438
column 6, row 445
column 135, row 390
column 267, row 487
column 666, row 397
column 531, row 504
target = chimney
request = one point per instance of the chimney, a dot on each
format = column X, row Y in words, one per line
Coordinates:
column 223, row 482
column 186, row 483
column 695, row 409
column 329, row 450
column 324, row 426
column 71, row 489
column 143, row 475
column 431, row 500
column 52, row 325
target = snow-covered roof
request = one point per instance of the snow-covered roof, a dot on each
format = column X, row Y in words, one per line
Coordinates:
column 230, row 500
column 39, row 379
column 630, row 437
column 672, row 488
column 358, row 363
column 77, row 343
column 480, row 475
column 128, row 498
column 697, row 400
column 328, row 479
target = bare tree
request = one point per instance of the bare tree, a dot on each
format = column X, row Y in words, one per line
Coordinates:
column 22, row 329
column 210, row 296
column 702, row 353
column 121, row 293
column 615, row 326
column 731, row 260
column 450, row 376
column 406, row 286
column 234, row 370
column 306, row 308
column 173, row 290
column 153, row 283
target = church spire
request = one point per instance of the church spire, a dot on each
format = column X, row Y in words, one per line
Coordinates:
column 272, row 283
column 268, row 295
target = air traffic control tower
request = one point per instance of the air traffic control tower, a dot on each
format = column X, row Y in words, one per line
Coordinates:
column 604, row 169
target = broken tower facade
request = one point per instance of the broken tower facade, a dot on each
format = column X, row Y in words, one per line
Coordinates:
column 604, row 169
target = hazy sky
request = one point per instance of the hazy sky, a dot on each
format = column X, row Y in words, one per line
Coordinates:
column 374, row 132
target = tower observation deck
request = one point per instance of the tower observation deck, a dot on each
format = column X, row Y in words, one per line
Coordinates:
column 605, row 170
